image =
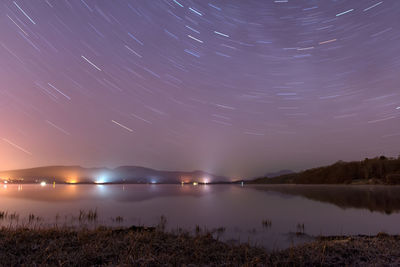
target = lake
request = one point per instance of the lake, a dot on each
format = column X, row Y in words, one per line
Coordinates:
column 326, row 210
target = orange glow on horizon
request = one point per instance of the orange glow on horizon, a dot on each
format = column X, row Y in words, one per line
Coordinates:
column 72, row 179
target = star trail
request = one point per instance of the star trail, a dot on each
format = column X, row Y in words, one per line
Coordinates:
column 231, row 87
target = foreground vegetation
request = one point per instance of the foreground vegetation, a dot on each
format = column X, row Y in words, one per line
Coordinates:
column 379, row 170
column 134, row 246
column 140, row 246
column 79, row 241
column 380, row 250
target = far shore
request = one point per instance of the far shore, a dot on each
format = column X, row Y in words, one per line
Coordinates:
column 354, row 183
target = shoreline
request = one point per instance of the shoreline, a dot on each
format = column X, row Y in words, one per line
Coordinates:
column 149, row 246
column 245, row 183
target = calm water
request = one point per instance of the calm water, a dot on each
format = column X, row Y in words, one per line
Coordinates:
column 328, row 210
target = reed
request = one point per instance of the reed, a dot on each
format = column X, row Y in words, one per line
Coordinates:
column 266, row 223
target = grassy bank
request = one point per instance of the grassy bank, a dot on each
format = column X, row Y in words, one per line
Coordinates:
column 128, row 246
column 380, row 250
column 140, row 246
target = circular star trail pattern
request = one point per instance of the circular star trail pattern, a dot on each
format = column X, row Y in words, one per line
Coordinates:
column 231, row 87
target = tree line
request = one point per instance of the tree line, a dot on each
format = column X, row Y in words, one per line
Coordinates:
column 379, row 170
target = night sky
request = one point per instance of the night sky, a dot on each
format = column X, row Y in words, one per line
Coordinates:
column 233, row 87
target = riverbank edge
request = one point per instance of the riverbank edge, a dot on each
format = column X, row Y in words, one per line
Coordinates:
column 149, row 246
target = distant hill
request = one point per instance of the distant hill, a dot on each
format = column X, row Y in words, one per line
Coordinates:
column 379, row 170
column 123, row 174
column 279, row 173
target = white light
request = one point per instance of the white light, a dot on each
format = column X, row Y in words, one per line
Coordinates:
column 43, row 183
column 102, row 179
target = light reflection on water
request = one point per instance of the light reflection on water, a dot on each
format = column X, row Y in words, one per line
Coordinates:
column 328, row 210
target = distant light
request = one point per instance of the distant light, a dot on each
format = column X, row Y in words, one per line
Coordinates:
column 5, row 186
column 43, row 183
column 195, row 183
column 102, row 179
column 5, row 182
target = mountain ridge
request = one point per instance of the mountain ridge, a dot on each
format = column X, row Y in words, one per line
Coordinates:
column 120, row 174
column 378, row 170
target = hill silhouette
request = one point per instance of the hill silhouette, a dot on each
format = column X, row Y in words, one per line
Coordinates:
column 379, row 170
column 278, row 173
column 123, row 174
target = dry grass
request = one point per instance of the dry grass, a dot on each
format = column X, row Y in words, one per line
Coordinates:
column 380, row 250
column 148, row 246
column 136, row 246
column 33, row 243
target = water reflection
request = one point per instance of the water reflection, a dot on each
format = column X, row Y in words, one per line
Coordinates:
column 384, row 199
column 122, row 193
column 267, row 215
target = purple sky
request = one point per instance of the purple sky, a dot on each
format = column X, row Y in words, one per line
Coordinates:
column 234, row 87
